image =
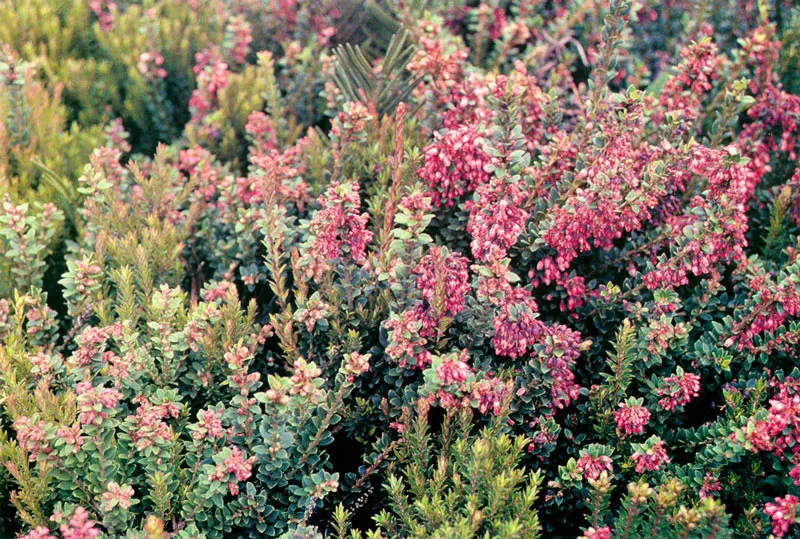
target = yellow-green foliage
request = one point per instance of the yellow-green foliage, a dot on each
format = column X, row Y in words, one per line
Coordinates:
column 243, row 94
column 140, row 234
column 471, row 486
column 46, row 29
column 35, row 137
column 97, row 71
column 151, row 105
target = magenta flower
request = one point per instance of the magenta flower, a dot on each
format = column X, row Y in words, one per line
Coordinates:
column 443, row 279
column 80, row 526
column 783, row 513
column 631, row 417
column 597, row 533
column 496, row 219
column 117, row 496
column 678, row 389
column 650, row 456
column 591, row 467
column 454, row 369
column 338, row 230
column 454, row 165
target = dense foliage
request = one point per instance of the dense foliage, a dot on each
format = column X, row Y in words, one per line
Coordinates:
column 399, row 268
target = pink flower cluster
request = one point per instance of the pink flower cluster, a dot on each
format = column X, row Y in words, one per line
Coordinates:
column 87, row 275
column 31, row 436
column 776, row 118
column 455, row 164
column 83, row 280
column 90, row 398
column 217, row 290
column 774, row 304
column 678, row 390
column 239, row 35
column 15, row 216
column 314, row 310
column 783, row 513
column 260, row 128
column 235, row 464
column 117, row 496
column 459, row 386
column 303, row 379
column 489, row 394
column 240, row 378
column 91, row 342
column 496, row 219
column 443, row 279
column 237, row 359
column 631, row 418
column 651, row 457
column 104, row 10
column 597, row 533
column 454, row 370
column 80, row 526
column 794, row 185
column 198, row 163
column 494, row 284
column 780, row 431
column 610, row 196
column 71, row 436
column 794, row 473
column 147, row 425
column 713, row 229
column 209, row 426
column 40, row 319
column 557, row 351
column 211, row 72
column 466, row 102
column 416, row 210
column 350, row 125
column 5, row 311
column 107, row 162
column 683, row 92
column 338, row 229
column 711, row 484
column 355, row 364
column 39, row 532
column 406, row 341
column 117, row 136
column 150, row 64
column 432, row 59
column 662, row 333
column 591, row 467
column 516, row 327
column 272, row 169
column 40, row 363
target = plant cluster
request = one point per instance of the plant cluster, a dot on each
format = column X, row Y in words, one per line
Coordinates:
column 399, row 269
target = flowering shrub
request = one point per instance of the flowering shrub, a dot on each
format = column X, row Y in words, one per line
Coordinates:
column 482, row 269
